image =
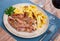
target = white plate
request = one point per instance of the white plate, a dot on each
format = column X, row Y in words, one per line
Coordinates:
column 25, row 34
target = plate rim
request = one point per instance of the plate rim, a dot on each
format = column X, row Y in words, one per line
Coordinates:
column 26, row 37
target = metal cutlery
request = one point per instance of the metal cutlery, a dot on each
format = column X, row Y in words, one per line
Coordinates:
column 51, row 30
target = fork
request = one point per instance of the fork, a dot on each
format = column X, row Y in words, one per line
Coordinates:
column 51, row 30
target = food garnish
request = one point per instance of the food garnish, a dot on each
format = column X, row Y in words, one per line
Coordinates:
column 9, row 10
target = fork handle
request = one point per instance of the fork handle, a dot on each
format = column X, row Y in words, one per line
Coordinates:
column 43, row 37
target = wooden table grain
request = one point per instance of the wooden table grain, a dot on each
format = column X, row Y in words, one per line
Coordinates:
column 49, row 7
column 4, row 36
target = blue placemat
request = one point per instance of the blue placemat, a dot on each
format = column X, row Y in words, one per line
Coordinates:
column 6, row 3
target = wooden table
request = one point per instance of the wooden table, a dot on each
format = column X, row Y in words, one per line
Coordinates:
column 49, row 7
column 4, row 36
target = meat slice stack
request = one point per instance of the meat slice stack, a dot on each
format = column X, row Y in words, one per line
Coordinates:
column 21, row 22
